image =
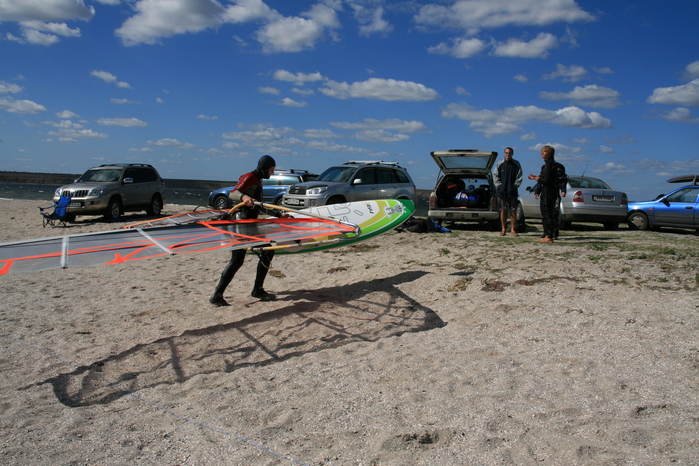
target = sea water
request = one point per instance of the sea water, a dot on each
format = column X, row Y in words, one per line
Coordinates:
column 44, row 194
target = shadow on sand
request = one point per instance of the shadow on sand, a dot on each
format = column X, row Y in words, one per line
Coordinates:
column 313, row 320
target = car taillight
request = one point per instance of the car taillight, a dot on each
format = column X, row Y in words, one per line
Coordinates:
column 578, row 196
column 624, row 199
column 433, row 202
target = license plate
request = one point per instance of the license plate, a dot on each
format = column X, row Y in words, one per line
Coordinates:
column 76, row 204
column 293, row 201
column 603, row 198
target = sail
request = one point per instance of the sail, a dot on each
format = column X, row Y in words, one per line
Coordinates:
column 125, row 245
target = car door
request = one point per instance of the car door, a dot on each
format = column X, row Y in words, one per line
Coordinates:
column 364, row 185
column 130, row 192
column 270, row 188
column 677, row 209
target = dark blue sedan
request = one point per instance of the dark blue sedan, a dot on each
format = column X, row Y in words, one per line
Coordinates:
column 679, row 209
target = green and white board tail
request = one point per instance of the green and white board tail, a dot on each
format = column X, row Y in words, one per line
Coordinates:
column 373, row 218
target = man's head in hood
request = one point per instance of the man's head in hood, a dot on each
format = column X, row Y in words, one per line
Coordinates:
column 264, row 165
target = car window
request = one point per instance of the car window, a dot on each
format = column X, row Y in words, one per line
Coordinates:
column 108, row 175
column 337, row 174
column 288, row 179
column 270, row 181
column 384, row 176
column 593, row 183
column 309, row 177
column 130, row 174
column 366, row 175
column 402, row 177
column 684, row 195
column 145, row 175
column 475, row 162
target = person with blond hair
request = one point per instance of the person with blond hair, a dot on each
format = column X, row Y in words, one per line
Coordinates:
column 552, row 186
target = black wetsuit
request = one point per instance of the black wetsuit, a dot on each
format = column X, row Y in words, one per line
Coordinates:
column 552, row 181
column 249, row 184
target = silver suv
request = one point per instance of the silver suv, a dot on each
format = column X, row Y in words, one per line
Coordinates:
column 353, row 181
column 113, row 189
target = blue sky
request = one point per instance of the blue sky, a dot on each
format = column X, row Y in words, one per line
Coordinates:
column 202, row 88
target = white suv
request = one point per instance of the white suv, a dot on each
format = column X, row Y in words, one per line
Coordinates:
column 353, row 181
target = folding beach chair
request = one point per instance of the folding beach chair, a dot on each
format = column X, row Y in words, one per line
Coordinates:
column 59, row 216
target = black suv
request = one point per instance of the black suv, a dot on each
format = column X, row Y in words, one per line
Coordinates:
column 113, row 189
column 273, row 189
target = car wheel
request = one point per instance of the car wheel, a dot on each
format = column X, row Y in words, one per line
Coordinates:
column 155, row 207
column 520, row 221
column 278, row 201
column 638, row 221
column 114, row 209
column 221, row 203
column 610, row 225
column 335, row 200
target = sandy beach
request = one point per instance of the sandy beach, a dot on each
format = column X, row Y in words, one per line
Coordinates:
column 460, row 348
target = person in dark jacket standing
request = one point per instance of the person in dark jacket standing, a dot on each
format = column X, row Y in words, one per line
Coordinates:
column 248, row 190
column 507, row 177
column 552, row 180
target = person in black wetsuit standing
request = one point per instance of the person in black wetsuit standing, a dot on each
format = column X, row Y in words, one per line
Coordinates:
column 552, row 181
column 248, row 190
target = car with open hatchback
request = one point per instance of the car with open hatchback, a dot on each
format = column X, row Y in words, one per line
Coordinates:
column 465, row 189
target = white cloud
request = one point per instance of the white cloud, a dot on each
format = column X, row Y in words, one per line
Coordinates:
column 9, row 88
column 571, row 73
column 294, row 34
column 142, row 149
column 394, row 124
column 34, row 37
column 320, row 134
column 613, row 168
column 60, row 29
column 381, row 135
column 81, row 134
column 521, row 78
column 370, row 19
column 380, row 89
column 21, row 106
column 66, row 114
column 299, row 78
column 508, row 120
column 159, row 100
column 461, row 91
column 123, row 101
column 292, row 103
column 205, row 117
column 582, row 141
column 461, row 48
column 692, row 71
column 265, row 136
column 127, row 122
column 680, row 115
column 268, row 90
column 473, row 15
column 606, row 150
column 109, row 78
column 686, row 95
column 298, row 91
column 169, row 142
column 45, row 10
column 591, row 96
column 536, row 48
column 528, row 137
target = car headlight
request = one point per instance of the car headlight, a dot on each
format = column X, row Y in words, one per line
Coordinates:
column 97, row 192
column 58, row 191
column 316, row 190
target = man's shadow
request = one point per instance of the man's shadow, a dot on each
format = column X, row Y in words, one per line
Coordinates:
column 314, row 320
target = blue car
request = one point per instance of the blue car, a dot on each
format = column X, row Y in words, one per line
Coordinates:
column 679, row 209
column 273, row 189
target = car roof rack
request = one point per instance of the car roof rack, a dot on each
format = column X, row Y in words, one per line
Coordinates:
column 371, row 162
column 126, row 165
